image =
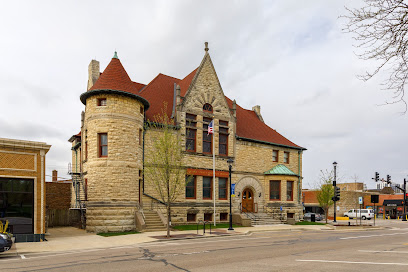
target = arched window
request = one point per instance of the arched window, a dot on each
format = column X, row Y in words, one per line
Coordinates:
column 207, row 108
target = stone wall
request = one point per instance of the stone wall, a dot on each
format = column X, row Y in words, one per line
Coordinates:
column 112, row 180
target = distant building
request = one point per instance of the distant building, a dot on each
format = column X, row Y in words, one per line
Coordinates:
column 352, row 186
column 22, row 188
column 384, row 184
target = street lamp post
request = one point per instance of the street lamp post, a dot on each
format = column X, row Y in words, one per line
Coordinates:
column 335, row 185
column 230, row 162
column 404, row 217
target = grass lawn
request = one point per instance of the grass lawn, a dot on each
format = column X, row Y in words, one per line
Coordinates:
column 207, row 226
column 108, row 234
column 309, row 223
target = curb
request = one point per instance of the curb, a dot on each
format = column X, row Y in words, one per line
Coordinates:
column 197, row 237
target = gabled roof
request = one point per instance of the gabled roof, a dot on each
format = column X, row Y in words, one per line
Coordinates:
column 162, row 89
column 158, row 91
column 185, row 82
column 250, row 127
column 115, row 78
column 280, row 169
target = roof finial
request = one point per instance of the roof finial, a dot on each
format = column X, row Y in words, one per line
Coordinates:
column 116, row 55
column 206, row 47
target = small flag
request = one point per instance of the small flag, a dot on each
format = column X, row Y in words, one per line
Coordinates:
column 211, row 128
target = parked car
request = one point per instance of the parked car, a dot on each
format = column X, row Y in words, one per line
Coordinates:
column 357, row 213
column 5, row 242
column 308, row 216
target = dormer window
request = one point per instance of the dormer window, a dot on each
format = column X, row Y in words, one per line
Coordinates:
column 101, row 101
column 208, row 108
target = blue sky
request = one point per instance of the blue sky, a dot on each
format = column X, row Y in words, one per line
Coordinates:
column 289, row 57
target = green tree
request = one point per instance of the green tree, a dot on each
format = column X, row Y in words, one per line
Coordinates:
column 324, row 196
column 164, row 170
column 379, row 28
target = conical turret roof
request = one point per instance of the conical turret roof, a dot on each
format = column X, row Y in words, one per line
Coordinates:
column 115, row 78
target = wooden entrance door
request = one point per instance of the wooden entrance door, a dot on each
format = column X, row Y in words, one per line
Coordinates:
column 248, row 200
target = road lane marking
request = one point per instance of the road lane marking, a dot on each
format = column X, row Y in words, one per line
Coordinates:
column 384, row 251
column 122, row 247
column 374, row 235
column 60, row 254
column 350, row 262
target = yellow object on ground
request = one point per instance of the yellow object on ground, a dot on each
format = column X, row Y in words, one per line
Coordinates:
column 342, row 218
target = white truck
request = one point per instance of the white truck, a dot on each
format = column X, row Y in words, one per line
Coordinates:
column 357, row 213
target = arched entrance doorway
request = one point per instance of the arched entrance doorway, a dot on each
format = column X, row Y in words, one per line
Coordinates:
column 247, row 200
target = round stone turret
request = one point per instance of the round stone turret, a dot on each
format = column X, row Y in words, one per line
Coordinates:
column 112, row 142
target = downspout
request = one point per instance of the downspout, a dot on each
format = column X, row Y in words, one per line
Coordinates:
column 300, row 177
column 143, row 151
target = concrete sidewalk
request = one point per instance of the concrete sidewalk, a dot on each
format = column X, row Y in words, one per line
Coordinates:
column 69, row 239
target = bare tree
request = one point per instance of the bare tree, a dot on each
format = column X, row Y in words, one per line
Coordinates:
column 380, row 31
column 164, row 169
column 324, row 196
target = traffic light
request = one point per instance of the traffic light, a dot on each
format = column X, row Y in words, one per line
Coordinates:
column 388, row 179
column 337, row 193
column 336, row 196
column 377, row 176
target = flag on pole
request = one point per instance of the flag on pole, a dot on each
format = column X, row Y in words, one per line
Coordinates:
column 211, row 128
column 211, row 131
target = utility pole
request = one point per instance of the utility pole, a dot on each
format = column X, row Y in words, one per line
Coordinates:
column 404, row 190
column 335, row 197
column 404, row 218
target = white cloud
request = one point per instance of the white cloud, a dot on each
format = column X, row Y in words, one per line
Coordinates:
column 290, row 57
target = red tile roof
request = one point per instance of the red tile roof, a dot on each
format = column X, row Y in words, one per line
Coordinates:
column 115, row 78
column 161, row 89
column 251, row 127
column 158, row 91
column 139, row 86
column 185, row 82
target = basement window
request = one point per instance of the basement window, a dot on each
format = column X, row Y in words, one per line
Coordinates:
column 208, row 217
column 191, row 217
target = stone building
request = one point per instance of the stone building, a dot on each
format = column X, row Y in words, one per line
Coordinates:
column 22, row 188
column 109, row 152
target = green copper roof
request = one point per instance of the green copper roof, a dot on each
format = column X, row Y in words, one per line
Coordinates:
column 280, row 169
column 115, row 56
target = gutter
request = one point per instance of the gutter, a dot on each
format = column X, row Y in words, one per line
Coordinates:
column 268, row 143
column 75, row 147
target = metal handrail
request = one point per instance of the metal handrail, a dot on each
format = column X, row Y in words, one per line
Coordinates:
column 248, row 215
column 279, row 215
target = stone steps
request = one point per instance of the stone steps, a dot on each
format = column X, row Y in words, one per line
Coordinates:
column 264, row 219
column 153, row 221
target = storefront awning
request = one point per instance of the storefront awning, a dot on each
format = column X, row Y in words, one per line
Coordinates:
column 393, row 202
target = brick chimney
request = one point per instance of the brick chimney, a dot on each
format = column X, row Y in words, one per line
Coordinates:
column 257, row 110
column 93, row 73
column 54, row 175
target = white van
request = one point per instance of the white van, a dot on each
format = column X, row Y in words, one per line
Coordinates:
column 357, row 213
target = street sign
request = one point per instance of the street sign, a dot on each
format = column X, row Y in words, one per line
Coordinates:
column 281, row 208
column 360, row 200
column 338, row 208
column 233, row 190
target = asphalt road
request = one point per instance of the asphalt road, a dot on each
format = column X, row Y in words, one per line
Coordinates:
column 361, row 250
